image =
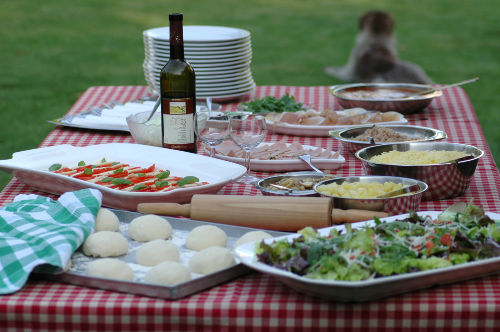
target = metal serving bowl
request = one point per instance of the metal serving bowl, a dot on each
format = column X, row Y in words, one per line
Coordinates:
column 392, row 205
column 417, row 134
column 404, row 105
column 264, row 184
column 446, row 180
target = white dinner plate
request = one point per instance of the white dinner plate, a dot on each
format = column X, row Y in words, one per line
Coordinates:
column 156, row 61
column 226, row 56
column 367, row 290
column 221, row 96
column 243, row 62
column 200, row 34
column 212, row 70
column 196, row 48
column 31, row 167
column 282, row 165
column 216, row 79
column 160, row 52
column 307, row 130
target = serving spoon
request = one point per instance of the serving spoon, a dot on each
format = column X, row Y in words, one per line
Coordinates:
column 400, row 191
column 426, row 91
column 155, row 107
column 307, row 159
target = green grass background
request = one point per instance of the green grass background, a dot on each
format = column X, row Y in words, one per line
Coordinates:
column 52, row 51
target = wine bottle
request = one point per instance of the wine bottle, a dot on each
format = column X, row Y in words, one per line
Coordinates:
column 178, row 95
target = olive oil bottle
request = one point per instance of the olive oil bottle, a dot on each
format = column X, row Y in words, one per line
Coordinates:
column 177, row 93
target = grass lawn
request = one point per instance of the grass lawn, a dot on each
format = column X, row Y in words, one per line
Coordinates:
column 52, row 51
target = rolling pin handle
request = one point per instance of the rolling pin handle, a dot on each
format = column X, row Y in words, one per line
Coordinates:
column 354, row 215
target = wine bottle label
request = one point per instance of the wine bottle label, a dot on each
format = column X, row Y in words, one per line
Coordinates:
column 178, row 122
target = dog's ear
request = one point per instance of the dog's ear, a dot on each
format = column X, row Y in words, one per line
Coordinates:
column 377, row 22
column 376, row 60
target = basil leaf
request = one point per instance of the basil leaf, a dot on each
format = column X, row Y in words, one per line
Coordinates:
column 160, row 184
column 88, row 171
column 121, row 181
column 270, row 104
column 81, row 163
column 139, row 186
column 107, row 179
column 119, row 170
column 187, row 180
column 55, row 167
column 163, row 175
column 140, row 174
column 103, row 160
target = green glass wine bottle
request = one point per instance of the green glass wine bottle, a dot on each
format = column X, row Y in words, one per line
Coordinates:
column 178, row 94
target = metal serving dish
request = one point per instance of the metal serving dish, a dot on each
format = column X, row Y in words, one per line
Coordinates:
column 417, row 133
column 264, row 184
column 396, row 102
column 391, row 205
column 180, row 229
column 446, row 180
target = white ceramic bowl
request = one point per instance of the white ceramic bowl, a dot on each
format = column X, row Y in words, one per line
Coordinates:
column 149, row 132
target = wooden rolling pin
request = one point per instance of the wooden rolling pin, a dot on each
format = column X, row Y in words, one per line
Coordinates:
column 267, row 212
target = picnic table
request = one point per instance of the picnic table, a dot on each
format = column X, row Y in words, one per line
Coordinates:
column 258, row 301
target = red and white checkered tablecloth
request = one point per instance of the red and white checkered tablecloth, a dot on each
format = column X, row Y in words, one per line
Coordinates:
column 259, row 302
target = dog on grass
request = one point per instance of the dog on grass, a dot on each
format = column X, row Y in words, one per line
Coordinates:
column 374, row 59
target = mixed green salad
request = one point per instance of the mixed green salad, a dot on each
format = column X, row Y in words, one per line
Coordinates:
column 415, row 243
column 271, row 104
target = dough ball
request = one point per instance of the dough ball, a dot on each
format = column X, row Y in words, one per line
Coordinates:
column 68, row 265
column 149, row 227
column 205, row 236
column 105, row 244
column 156, row 251
column 168, row 273
column 211, row 259
column 106, row 221
column 110, row 268
column 252, row 236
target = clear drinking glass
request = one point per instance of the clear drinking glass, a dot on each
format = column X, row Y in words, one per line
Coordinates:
column 212, row 128
column 247, row 131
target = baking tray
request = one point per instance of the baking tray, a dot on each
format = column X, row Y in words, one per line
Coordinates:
column 180, row 229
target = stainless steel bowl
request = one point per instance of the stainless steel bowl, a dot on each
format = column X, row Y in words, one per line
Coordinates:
column 418, row 134
column 264, row 184
column 402, row 105
column 392, row 205
column 445, row 180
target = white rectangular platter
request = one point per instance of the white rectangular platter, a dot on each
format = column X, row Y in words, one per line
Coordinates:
column 285, row 165
column 373, row 289
column 31, row 167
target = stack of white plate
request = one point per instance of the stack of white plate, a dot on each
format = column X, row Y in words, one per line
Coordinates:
column 220, row 57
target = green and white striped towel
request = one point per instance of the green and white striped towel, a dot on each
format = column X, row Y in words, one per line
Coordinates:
column 36, row 230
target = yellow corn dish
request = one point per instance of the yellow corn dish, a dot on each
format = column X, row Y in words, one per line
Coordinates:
column 417, row 157
column 358, row 189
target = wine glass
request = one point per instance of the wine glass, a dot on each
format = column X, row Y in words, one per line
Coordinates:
column 211, row 128
column 247, row 131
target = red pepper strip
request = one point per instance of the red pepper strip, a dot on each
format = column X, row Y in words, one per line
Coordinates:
column 446, row 239
column 144, row 170
column 141, row 179
column 118, row 175
column 84, row 177
column 63, row 170
column 429, row 245
column 174, row 178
